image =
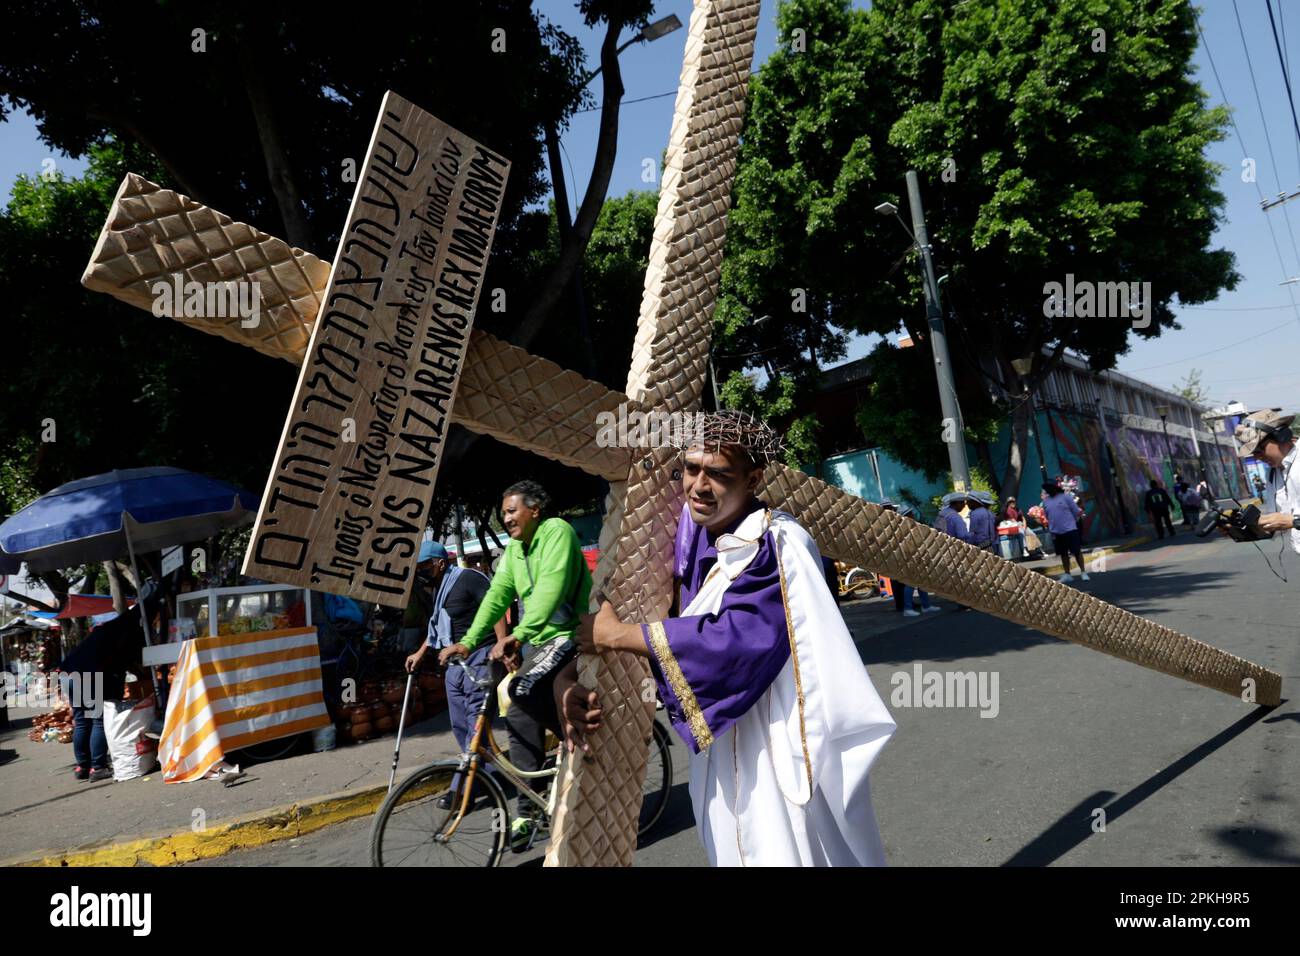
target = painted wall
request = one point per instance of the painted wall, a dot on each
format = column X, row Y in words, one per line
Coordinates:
column 1072, row 445
column 874, row 475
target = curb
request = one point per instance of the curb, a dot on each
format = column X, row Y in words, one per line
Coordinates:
column 252, row 830
column 1055, row 571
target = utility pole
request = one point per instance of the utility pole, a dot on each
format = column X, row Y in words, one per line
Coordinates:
column 952, row 423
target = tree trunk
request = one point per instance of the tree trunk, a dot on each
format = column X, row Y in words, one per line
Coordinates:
column 278, row 169
column 115, row 586
column 1010, row 484
column 985, row 454
column 574, row 245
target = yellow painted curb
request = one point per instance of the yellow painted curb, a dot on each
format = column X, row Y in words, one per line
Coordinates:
column 241, row 833
column 1056, row 571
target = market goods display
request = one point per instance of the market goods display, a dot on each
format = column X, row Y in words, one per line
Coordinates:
column 54, row 727
column 262, row 622
column 378, row 706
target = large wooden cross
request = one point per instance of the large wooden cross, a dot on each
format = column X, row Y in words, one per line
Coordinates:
column 153, row 234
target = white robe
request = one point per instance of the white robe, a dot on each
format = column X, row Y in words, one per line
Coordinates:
column 753, row 802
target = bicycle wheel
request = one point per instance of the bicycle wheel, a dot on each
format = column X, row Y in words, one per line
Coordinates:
column 409, row 829
column 658, row 779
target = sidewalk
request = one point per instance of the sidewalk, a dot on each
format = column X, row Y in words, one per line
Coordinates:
column 46, row 816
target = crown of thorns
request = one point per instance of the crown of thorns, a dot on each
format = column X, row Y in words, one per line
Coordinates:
column 715, row 430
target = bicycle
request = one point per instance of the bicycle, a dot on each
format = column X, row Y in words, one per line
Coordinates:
column 474, row 829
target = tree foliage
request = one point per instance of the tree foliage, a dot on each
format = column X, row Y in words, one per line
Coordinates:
column 136, row 94
column 1049, row 139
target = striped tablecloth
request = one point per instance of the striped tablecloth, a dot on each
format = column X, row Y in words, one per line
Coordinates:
column 241, row 689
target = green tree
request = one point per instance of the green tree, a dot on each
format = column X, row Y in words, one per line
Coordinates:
column 1192, row 389
column 1049, row 138
column 255, row 111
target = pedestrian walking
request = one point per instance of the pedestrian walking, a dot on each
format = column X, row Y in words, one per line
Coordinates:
column 1191, row 502
column 1157, row 506
column 1063, row 514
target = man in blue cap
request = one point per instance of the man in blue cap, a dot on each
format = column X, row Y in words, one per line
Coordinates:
column 453, row 595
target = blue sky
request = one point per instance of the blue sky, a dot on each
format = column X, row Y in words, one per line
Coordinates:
column 1244, row 343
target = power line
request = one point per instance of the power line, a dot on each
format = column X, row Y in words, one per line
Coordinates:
column 1224, row 348
column 642, row 99
column 1268, row 140
column 1286, row 75
column 1241, row 141
column 1240, row 308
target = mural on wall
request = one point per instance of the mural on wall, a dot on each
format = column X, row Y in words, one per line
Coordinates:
column 1072, row 445
column 1140, row 456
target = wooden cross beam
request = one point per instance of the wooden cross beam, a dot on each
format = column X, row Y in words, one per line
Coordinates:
column 154, row 235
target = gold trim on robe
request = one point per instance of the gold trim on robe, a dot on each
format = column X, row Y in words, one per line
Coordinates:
column 798, row 681
column 672, row 672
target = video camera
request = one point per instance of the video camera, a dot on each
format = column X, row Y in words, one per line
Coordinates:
column 1241, row 524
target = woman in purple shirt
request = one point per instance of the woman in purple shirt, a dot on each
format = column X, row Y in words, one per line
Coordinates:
column 1063, row 514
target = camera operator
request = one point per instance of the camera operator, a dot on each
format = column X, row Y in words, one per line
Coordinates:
column 1266, row 435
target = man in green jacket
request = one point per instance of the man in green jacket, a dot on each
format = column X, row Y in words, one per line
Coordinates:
column 543, row 566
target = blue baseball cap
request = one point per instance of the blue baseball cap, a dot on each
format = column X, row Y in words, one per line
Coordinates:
column 430, row 550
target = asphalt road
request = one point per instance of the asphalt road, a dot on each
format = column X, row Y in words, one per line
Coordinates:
column 1177, row 774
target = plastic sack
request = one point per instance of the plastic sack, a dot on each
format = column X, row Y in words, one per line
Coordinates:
column 134, row 754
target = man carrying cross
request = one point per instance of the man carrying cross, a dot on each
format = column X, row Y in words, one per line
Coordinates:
column 757, row 671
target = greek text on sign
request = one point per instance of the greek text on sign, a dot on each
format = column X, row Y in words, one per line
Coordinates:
column 347, row 499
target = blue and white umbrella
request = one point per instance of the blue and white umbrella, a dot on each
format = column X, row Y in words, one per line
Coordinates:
column 128, row 512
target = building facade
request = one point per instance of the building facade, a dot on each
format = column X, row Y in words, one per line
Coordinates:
column 1104, row 429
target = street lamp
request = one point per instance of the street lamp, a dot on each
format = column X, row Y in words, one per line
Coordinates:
column 938, row 336
column 1163, row 412
column 1023, row 367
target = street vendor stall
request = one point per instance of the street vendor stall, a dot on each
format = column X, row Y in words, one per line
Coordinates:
column 247, row 675
column 236, row 691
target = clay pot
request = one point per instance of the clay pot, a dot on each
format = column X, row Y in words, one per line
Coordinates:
column 428, row 681
column 377, row 710
column 385, row 725
column 393, row 693
column 362, row 732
